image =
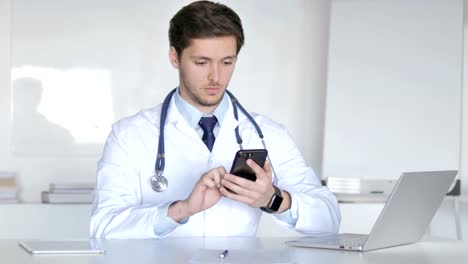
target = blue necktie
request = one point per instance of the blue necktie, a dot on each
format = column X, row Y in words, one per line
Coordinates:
column 208, row 124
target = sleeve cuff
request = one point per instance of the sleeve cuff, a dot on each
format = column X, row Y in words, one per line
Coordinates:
column 289, row 216
column 163, row 224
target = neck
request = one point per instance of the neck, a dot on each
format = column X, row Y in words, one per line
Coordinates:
column 207, row 110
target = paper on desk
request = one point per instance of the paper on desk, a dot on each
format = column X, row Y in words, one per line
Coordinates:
column 242, row 256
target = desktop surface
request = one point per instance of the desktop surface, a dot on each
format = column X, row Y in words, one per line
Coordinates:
column 241, row 250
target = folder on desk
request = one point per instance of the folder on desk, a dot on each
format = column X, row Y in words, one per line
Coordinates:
column 40, row 247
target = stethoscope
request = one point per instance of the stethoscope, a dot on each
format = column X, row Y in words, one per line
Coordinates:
column 158, row 181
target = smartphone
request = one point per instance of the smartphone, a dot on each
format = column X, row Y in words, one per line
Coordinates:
column 240, row 167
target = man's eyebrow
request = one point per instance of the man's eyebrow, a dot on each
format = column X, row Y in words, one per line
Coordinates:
column 199, row 58
column 230, row 57
column 206, row 58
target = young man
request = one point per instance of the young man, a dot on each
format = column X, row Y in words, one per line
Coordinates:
column 205, row 41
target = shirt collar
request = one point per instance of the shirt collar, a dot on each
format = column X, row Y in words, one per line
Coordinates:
column 192, row 115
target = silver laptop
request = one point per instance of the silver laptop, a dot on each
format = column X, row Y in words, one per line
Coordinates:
column 404, row 218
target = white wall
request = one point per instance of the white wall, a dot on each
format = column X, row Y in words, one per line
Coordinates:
column 464, row 135
column 394, row 87
column 98, row 61
column 4, row 82
column 317, row 24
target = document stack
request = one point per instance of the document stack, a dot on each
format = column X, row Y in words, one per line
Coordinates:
column 360, row 190
column 8, row 188
column 68, row 193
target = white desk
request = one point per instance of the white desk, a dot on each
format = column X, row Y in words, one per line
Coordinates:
column 183, row 250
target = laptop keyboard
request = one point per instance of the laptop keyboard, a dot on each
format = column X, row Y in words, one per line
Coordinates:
column 352, row 241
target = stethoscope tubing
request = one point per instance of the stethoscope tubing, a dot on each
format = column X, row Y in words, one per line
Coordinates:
column 159, row 182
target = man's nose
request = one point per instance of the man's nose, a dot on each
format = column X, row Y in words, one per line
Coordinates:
column 214, row 73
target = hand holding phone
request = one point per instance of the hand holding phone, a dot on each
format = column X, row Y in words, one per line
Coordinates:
column 240, row 167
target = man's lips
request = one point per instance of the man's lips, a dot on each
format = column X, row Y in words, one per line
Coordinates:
column 212, row 90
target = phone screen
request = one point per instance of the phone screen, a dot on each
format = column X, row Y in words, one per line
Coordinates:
column 240, row 167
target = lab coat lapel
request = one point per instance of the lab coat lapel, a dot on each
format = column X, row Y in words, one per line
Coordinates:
column 226, row 138
column 226, row 141
column 175, row 121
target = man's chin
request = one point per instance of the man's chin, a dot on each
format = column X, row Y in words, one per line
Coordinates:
column 210, row 102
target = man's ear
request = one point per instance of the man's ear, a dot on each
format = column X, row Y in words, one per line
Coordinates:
column 174, row 58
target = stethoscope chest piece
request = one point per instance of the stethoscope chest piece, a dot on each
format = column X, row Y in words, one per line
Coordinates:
column 158, row 182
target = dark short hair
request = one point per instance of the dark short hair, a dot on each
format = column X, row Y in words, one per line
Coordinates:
column 204, row 19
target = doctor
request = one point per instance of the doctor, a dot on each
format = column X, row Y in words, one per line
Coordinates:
column 200, row 143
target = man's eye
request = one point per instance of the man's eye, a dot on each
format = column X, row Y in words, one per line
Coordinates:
column 200, row 62
column 227, row 62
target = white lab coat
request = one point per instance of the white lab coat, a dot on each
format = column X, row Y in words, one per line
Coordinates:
column 125, row 204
